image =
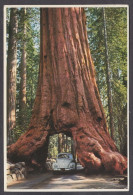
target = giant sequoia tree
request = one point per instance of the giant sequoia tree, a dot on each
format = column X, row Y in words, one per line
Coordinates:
column 67, row 99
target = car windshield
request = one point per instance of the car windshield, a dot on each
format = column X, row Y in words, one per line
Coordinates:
column 67, row 156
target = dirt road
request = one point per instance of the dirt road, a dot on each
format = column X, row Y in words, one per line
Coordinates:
column 77, row 180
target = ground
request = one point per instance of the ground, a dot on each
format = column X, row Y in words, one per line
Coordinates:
column 69, row 180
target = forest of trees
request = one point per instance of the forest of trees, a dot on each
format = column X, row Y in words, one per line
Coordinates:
column 27, row 51
column 107, row 37
column 112, row 81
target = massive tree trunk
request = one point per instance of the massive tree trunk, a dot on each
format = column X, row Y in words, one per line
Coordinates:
column 108, row 77
column 67, row 98
column 11, row 75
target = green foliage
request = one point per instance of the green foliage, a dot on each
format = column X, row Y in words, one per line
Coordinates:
column 32, row 39
column 53, row 146
column 7, row 23
column 116, row 20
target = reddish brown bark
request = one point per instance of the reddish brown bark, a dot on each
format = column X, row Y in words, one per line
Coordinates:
column 67, row 98
column 11, row 75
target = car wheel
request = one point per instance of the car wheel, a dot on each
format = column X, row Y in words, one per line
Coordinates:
column 55, row 172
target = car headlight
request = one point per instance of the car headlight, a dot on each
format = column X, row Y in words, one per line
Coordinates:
column 72, row 165
column 55, row 166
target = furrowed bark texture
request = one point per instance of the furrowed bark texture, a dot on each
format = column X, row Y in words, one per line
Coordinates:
column 67, row 98
column 11, row 74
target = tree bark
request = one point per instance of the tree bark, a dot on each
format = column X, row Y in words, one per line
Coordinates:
column 73, row 148
column 66, row 144
column 11, row 75
column 60, row 143
column 22, row 102
column 67, row 99
column 108, row 76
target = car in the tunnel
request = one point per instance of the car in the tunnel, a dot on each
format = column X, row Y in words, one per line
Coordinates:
column 64, row 162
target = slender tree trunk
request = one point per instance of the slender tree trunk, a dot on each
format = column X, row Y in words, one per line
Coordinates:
column 108, row 76
column 11, row 75
column 67, row 146
column 23, row 73
column 73, row 148
column 67, row 99
column 63, row 142
column 60, row 143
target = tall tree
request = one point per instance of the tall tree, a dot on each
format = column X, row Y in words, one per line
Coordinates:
column 116, row 26
column 11, row 75
column 28, row 64
column 66, row 144
column 108, row 77
column 53, row 146
column 22, row 97
column 67, row 98
column 32, row 53
column 60, row 143
column 95, row 30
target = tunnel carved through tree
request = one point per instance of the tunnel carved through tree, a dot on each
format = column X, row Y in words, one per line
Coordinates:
column 67, row 98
